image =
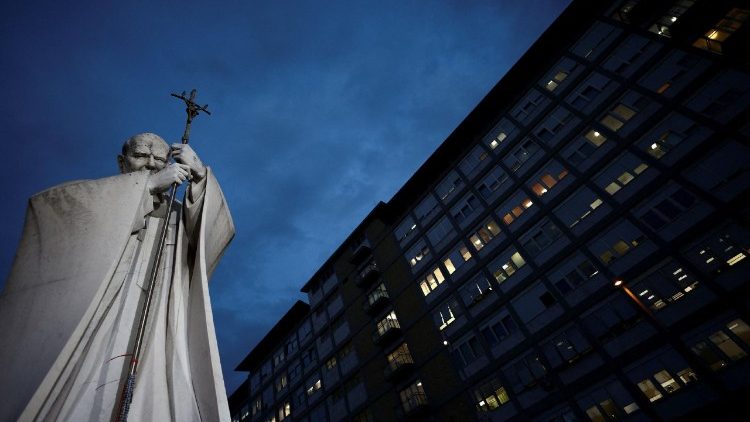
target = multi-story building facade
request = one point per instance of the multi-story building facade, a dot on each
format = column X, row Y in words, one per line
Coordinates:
column 576, row 249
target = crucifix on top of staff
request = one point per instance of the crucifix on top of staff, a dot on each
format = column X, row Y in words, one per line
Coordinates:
column 192, row 109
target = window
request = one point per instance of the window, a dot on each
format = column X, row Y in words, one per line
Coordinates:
column 588, row 91
column 573, row 272
column 405, row 231
column 526, row 373
column 456, row 258
column 565, row 70
column 673, row 73
column 377, row 293
column 308, row 357
column 612, row 319
column 499, row 329
column 623, row 170
column 281, row 382
column 624, row 111
column 389, row 322
column 449, row 186
column 304, row 331
column 441, row 233
column 278, row 358
column 484, row 234
column 502, row 268
column 648, row 388
column 417, row 253
column 474, row 161
column 284, row 411
column 714, row 38
column 663, row 24
column 314, row 386
column 413, row 397
column 723, row 97
column 583, row 147
column 445, row 314
column 673, row 132
column 668, row 208
column 529, row 106
column 721, row 250
column 629, row 55
column 490, row 185
column 466, row 208
column 295, row 372
column 427, row 209
column 580, row 206
column 555, row 125
column 553, row 83
column 591, row 45
column 617, row 242
column 467, row 351
column 504, row 131
column 257, row 405
column 538, row 238
column 552, row 173
column 490, row 395
column 399, row 357
column 514, row 207
column 431, row 281
column 566, row 347
column 521, row 154
column 622, row 13
column 476, row 289
column 331, row 363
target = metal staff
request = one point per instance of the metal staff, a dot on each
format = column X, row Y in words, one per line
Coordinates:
column 126, row 399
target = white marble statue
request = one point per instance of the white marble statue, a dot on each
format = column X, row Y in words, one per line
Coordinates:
column 70, row 308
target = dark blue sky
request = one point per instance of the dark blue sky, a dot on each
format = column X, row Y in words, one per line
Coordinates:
column 320, row 110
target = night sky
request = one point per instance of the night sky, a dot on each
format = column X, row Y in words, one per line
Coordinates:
column 320, row 109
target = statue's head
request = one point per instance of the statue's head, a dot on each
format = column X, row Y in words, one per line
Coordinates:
column 143, row 151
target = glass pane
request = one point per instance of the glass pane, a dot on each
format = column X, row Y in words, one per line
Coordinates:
column 666, row 381
column 727, row 345
column 649, row 389
column 740, row 329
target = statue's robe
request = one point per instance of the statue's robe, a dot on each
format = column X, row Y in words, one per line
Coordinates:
column 70, row 307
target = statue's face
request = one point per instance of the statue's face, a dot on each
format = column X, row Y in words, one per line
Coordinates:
column 146, row 151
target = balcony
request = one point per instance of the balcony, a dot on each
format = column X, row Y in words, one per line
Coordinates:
column 375, row 302
column 387, row 330
column 369, row 273
column 360, row 251
column 398, row 369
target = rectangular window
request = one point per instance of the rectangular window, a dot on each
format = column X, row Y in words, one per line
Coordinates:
column 295, row 372
column 377, row 293
column 555, row 125
column 445, row 314
column 502, row 268
column 427, row 209
column 545, row 180
column 431, row 281
column 467, row 351
column 629, row 55
column 526, row 373
column 623, row 170
column 490, row 395
column 399, row 357
column 714, row 38
column 314, row 386
column 529, row 106
column 465, row 209
column 573, row 272
column 281, row 382
column 405, row 231
column 456, row 258
column 475, row 290
column 580, row 205
column 441, row 233
column 514, row 207
column 540, row 237
column 503, row 132
column 671, row 133
column 474, row 161
column 624, row 111
column 596, row 40
column 566, row 348
column 617, row 242
column 389, row 322
column 670, row 203
column 484, row 235
column 521, row 154
column 497, row 330
column 673, row 73
column 417, row 253
column 663, row 24
column 449, row 186
column 493, row 183
column 284, row 411
column 413, row 397
column 582, row 147
column 562, row 72
column 585, row 95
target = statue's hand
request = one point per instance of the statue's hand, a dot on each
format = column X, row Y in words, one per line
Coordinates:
column 173, row 173
column 184, row 154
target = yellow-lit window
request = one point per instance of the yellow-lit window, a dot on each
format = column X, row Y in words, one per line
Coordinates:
column 713, row 39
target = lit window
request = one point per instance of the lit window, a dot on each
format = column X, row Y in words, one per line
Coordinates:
column 475, row 290
column 389, row 322
column 431, row 281
column 456, row 258
column 315, row 386
column 413, row 396
column 516, row 210
column 739, row 328
column 687, row 376
column 727, row 345
column 712, row 40
column 417, row 253
column 446, row 313
column 650, row 390
column 399, row 357
column 482, row 236
column 663, row 25
column 502, row 269
column 491, row 395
